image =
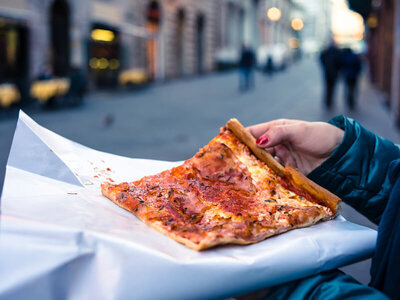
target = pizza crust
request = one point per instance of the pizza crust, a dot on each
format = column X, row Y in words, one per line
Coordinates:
column 246, row 138
column 321, row 195
column 296, row 178
column 225, row 195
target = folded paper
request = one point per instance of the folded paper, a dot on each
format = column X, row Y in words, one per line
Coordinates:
column 61, row 239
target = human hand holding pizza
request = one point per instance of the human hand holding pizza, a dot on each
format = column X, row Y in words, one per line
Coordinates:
column 304, row 145
column 240, row 186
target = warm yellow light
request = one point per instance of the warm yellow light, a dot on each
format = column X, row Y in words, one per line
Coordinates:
column 297, row 24
column 9, row 94
column 372, row 21
column 274, row 14
column 347, row 26
column 93, row 62
column 102, row 63
column 102, row 35
column 114, row 64
column 294, row 43
column 134, row 76
column 358, row 36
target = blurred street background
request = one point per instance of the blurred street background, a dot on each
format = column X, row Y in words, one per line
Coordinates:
column 157, row 79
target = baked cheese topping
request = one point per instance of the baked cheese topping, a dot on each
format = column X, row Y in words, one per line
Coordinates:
column 223, row 194
column 263, row 176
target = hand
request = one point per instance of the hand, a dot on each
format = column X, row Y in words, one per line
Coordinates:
column 304, row 145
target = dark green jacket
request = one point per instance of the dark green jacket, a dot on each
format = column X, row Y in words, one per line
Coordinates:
column 357, row 172
column 358, row 169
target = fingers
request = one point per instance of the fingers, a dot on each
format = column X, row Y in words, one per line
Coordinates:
column 284, row 155
column 280, row 137
column 271, row 150
column 259, row 129
column 302, row 144
column 280, row 134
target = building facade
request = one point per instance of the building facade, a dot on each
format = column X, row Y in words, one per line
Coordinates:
column 166, row 38
column 382, row 19
column 183, row 41
column 275, row 31
column 317, row 24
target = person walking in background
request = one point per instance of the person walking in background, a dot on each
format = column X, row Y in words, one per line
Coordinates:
column 330, row 62
column 78, row 86
column 351, row 67
column 269, row 66
column 45, row 73
column 246, row 64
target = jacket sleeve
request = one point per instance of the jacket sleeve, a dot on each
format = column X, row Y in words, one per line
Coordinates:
column 328, row 285
column 357, row 171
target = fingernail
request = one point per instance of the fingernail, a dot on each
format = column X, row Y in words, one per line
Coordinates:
column 262, row 140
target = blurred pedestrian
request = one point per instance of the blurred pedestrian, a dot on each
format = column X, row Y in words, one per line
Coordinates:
column 246, row 64
column 269, row 66
column 78, row 86
column 46, row 72
column 330, row 62
column 351, row 67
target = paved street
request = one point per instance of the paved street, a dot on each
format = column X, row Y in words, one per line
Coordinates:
column 170, row 121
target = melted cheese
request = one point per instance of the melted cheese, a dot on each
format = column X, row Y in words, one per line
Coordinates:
column 223, row 194
column 261, row 173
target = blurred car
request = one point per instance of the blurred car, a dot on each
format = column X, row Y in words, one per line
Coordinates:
column 227, row 58
column 278, row 54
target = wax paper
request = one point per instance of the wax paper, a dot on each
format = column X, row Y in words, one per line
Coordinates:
column 61, row 239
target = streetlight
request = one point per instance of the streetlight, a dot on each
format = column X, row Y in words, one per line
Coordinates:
column 297, row 24
column 274, row 14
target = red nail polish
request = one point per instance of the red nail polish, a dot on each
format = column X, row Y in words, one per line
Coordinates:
column 262, row 140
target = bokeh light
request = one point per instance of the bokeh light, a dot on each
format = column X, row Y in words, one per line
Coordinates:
column 294, row 43
column 297, row 24
column 114, row 64
column 103, row 63
column 102, row 35
column 347, row 25
column 274, row 14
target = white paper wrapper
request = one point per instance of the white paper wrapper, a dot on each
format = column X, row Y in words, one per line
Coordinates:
column 61, row 239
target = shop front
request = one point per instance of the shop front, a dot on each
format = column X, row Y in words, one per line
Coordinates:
column 14, row 55
column 104, row 56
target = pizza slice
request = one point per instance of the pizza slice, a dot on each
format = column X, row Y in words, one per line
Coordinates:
column 230, row 192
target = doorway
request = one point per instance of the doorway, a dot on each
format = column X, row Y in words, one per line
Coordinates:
column 200, row 43
column 179, row 38
column 13, row 51
column 60, row 37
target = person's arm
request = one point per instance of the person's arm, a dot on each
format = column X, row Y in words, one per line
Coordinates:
column 345, row 158
column 325, row 286
column 357, row 171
